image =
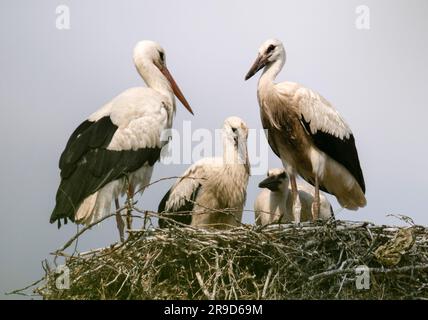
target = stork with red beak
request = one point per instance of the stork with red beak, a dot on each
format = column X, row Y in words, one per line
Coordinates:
column 113, row 152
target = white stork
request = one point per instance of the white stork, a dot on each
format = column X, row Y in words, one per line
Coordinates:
column 308, row 134
column 212, row 192
column 274, row 202
column 115, row 149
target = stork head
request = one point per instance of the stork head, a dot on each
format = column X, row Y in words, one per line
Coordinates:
column 277, row 179
column 271, row 50
column 235, row 134
column 148, row 53
column 235, row 130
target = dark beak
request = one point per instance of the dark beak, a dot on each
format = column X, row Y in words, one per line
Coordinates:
column 175, row 88
column 260, row 63
column 272, row 183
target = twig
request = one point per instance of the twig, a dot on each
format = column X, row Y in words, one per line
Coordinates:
column 77, row 235
column 167, row 178
column 330, row 273
column 266, row 283
column 20, row 291
column 201, row 283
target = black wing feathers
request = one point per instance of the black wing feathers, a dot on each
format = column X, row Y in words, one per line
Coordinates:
column 341, row 150
column 183, row 213
column 86, row 165
column 87, row 136
column 79, row 130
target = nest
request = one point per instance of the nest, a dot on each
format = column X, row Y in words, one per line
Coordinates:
column 311, row 261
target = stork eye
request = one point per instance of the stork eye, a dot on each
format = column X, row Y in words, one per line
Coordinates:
column 234, row 130
column 162, row 56
column 270, row 48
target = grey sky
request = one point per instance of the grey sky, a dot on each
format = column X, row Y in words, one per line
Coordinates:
column 51, row 80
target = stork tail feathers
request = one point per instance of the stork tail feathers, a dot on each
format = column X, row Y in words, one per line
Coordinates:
column 84, row 213
column 339, row 182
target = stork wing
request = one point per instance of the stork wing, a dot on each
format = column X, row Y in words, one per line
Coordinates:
column 329, row 132
column 104, row 150
column 320, row 114
column 181, row 197
column 88, row 135
column 182, row 208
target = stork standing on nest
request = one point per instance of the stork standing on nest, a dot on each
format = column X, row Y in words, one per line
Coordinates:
column 308, row 134
column 212, row 192
column 274, row 202
column 115, row 149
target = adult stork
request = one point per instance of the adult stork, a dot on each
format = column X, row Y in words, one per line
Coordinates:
column 211, row 193
column 274, row 202
column 308, row 134
column 115, row 149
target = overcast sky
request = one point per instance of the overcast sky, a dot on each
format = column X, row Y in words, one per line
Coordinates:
column 53, row 79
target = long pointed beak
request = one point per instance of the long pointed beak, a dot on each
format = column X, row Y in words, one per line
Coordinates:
column 260, row 62
column 175, row 88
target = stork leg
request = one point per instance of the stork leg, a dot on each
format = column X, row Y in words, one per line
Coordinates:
column 316, row 204
column 297, row 207
column 119, row 221
column 130, row 202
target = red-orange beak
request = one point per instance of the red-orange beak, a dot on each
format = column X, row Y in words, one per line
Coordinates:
column 175, row 88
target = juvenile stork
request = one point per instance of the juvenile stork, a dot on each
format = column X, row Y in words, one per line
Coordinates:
column 115, row 149
column 308, row 134
column 212, row 192
column 275, row 202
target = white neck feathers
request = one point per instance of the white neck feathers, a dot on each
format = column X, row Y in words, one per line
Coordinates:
column 269, row 73
column 155, row 79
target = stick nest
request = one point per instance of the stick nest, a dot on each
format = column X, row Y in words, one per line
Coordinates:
column 311, row 261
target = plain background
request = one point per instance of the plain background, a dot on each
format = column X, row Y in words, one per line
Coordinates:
column 51, row 80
